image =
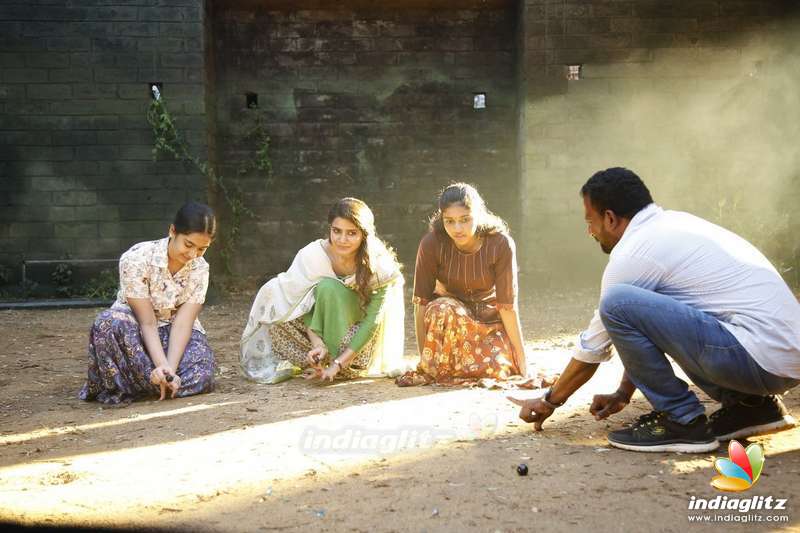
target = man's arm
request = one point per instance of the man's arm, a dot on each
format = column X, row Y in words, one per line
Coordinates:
column 626, row 387
column 537, row 410
column 605, row 405
column 574, row 376
column 594, row 347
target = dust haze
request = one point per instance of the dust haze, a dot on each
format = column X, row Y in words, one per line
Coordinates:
column 711, row 129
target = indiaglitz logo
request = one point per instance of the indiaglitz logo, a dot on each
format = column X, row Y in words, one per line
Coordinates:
column 741, row 470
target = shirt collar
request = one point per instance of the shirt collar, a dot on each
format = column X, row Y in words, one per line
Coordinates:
column 638, row 221
column 160, row 258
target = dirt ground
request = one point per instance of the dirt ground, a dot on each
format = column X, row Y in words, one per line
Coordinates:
column 362, row 455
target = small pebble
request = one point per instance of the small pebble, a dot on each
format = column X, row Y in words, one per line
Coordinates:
column 522, row 469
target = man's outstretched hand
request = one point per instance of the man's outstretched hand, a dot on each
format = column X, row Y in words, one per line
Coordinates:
column 533, row 410
column 605, row 405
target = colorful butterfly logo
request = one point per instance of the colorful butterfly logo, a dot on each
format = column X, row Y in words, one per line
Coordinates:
column 741, row 471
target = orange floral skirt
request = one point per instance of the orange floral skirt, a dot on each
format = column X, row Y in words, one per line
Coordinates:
column 458, row 349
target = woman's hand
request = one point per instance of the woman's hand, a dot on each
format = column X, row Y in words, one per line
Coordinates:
column 513, row 329
column 316, row 355
column 322, row 374
column 313, row 372
column 174, row 385
column 330, row 372
column 164, row 377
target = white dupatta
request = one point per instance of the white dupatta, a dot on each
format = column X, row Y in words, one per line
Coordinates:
column 290, row 295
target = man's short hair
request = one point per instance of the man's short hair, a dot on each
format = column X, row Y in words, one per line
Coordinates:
column 619, row 190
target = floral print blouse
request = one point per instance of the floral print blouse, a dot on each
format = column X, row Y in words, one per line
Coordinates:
column 144, row 273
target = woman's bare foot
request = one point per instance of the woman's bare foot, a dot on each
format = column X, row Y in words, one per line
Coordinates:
column 413, row 379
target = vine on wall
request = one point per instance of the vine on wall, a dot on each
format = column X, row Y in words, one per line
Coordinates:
column 260, row 162
column 169, row 142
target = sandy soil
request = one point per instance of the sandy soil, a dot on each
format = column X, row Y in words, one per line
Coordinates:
column 363, row 455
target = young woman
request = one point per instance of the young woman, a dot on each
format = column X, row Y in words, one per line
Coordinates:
column 337, row 311
column 465, row 295
column 150, row 341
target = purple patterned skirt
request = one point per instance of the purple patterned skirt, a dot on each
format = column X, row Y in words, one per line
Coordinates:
column 119, row 367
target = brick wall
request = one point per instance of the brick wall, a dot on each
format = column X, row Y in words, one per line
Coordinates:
column 76, row 171
column 698, row 97
column 368, row 102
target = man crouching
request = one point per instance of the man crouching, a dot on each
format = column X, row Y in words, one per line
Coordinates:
column 677, row 284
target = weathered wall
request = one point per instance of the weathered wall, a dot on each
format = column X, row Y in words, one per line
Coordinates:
column 76, row 171
column 699, row 97
column 368, row 102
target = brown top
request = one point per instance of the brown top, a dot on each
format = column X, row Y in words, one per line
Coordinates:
column 484, row 280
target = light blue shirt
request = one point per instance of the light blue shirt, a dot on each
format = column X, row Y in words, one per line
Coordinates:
column 711, row 269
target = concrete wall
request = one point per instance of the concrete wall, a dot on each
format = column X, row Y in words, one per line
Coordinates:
column 698, row 97
column 76, row 170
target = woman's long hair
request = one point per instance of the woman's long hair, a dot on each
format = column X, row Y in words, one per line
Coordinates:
column 357, row 212
column 466, row 195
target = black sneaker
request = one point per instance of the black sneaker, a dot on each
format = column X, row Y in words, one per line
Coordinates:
column 654, row 432
column 745, row 419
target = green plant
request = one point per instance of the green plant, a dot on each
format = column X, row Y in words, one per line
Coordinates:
column 62, row 279
column 102, row 287
column 168, row 141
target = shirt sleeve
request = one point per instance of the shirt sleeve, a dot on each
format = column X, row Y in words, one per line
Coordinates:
column 134, row 279
column 505, row 270
column 425, row 270
column 594, row 344
column 371, row 318
column 197, row 294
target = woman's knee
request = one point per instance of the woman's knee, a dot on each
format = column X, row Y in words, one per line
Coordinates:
column 105, row 318
column 328, row 287
column 205, row 381
column 332, row 294
column 198, row 383
column 199, row 363
column 445, row 302
column 113, row 322
column 198, row 349
column 444, row 306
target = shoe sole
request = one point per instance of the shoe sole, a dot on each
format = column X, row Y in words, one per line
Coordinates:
column 787, row 422
column 685, row 447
